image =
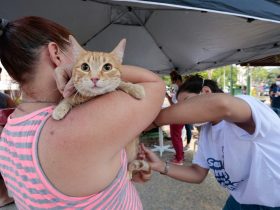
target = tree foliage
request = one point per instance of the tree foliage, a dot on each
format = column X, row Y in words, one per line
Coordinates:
column 222, row 75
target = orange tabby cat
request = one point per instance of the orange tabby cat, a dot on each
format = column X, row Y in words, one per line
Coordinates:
column 97, row 73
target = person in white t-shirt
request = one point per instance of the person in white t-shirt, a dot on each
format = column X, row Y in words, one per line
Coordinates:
column 239, row 143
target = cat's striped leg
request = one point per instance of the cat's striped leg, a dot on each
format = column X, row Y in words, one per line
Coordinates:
column 61, row 109
column 135, row 90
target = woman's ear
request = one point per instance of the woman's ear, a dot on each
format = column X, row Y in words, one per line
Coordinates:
column 54, row 53
column 206, row 90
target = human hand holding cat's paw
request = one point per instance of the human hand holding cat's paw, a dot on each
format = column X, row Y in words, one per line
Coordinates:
column 63, row 73
column 153, row 160
column 64, row 84
column 141, row 177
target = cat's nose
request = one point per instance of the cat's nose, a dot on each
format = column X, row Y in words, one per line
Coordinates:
column 94, row 80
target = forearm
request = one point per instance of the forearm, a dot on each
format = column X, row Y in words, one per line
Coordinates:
column 135, row 74
column 190, row 174
column 206, row 108
column 194, row 110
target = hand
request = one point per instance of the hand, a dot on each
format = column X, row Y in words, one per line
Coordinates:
column 154, row 161
column 64, row 84
column 63, row 73
column 141, row 177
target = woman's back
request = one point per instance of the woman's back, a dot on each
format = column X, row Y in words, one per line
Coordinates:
column 29, row 185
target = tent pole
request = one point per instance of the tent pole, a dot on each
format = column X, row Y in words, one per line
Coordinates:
column 231, row 80
column 248, row 81
column 224, row 77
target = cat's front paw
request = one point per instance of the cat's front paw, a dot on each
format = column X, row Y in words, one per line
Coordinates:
column 137, row 166
column 60, row 111
column 138, row 91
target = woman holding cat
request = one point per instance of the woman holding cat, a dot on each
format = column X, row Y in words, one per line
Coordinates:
column 239, row 144
column 79, row 161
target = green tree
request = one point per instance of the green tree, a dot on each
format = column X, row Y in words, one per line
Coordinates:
column 221, row 75
column 259, row 75
column 166, row 79
column 272, row 74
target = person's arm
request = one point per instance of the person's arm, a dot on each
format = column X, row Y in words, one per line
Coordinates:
column 277, row 93
column 209, row 108
column 191, row 174
column 272, row 90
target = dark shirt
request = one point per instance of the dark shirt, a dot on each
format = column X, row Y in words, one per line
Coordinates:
column 3, row 101
column 275, row 103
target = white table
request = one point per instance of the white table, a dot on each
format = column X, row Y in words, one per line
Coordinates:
column 161, row 147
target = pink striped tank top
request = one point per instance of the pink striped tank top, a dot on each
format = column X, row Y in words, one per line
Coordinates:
column 28, row 184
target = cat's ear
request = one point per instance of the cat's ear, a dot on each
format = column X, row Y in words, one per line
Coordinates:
column 76, row 47
column 119, row 50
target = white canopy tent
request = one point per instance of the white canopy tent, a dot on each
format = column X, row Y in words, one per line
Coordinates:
column 189, row 35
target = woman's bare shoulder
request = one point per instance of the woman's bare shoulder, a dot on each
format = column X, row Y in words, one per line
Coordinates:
column 100, row 122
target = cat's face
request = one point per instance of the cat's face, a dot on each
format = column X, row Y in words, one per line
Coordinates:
column 96, row 73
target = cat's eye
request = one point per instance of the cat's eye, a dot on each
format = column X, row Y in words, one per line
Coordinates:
column 107, row 67
column 85, row 67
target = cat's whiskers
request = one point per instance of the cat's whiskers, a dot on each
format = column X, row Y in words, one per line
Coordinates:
column 75, row 94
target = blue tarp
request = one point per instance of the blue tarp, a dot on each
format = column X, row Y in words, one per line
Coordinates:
column 259, row 9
